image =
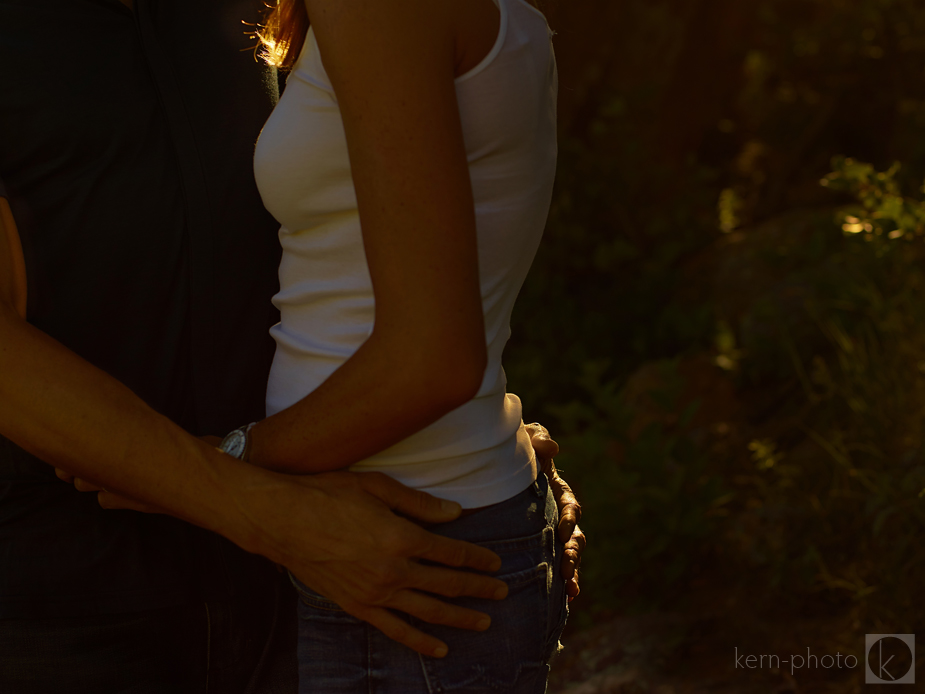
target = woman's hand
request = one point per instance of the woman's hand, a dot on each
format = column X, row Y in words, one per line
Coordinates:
column 106, row 499
column 112, row 500
column 569, row 508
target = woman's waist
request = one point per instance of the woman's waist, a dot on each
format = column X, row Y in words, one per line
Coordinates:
column 474, row 463
column 305, row 359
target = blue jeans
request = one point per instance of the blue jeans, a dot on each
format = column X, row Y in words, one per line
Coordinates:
column 339, row 654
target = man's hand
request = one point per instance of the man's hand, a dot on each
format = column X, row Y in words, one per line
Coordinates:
column 337, row 533
column 569, row 508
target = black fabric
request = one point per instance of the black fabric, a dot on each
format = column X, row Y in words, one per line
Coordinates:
column 236, row 646
column 126, row 142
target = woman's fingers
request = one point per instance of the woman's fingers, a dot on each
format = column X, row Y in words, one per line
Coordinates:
column 434, row 611
column 82, row 485
column 106, row 499
column 111, row 500
column 399, row 630
column 452, row 584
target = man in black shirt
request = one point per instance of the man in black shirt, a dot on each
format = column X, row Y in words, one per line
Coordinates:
column 126, row 137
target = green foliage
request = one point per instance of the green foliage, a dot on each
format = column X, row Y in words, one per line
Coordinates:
column 882, row 209
column 851, row 517
column 652, row 500
column 688, row 220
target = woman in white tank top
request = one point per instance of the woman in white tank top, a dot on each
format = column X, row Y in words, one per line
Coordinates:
column 410, row 162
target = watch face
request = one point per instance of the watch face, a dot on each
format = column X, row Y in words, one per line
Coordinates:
column 234, row 443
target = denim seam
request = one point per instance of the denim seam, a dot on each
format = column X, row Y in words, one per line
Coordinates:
column 427, row 682
column 536, row 575
column 525, row 576
column 517, row 544
column 369, row 658
column 316, row 601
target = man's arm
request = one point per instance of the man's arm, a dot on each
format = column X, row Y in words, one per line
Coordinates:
column 335, row 532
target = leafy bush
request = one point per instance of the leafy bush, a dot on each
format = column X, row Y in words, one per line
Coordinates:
column 845, row 510
column 730, row 353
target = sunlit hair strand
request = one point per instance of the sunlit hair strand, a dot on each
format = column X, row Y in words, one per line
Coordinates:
column 282, row 35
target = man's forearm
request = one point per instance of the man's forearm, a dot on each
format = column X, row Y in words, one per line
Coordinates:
column 70, row 414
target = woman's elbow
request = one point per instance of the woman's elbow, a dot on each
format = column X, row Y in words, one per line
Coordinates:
column 458, row 377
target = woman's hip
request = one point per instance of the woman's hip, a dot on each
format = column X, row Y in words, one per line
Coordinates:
column 511, row 656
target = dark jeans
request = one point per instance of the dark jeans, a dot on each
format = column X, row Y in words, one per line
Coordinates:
column 339, row 654
column 245, row 645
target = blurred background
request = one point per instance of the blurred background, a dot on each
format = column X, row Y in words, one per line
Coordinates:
column 724, row 331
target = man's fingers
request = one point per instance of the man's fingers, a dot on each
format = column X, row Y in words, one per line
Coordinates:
column 569, row 516
column 571, row 558
column 399, row 630
column 433, row 611
column 577, row 541
column 572, row 589
column 64, row 476
column 569, row 508
column 454, row 584
column 576, row 545
column 567, row 524
column 544, row 446
column 410, row 502
column 571, row 561
column 444, row 550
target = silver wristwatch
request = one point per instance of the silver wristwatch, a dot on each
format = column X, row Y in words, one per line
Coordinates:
column 237, row 444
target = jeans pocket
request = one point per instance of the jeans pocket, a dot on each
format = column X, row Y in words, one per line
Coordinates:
column 558, row 619
column 509, row 656
column 315, row 601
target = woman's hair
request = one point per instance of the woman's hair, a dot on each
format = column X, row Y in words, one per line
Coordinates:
column 283, row 34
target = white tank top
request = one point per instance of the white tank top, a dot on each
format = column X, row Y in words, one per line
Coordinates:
column 479, row 453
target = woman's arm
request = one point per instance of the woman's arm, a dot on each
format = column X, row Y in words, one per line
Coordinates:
column 76, row 417
column 392, row 67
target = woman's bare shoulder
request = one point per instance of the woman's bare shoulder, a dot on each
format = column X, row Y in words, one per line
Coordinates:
column 402, row 15
column 374, row 35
